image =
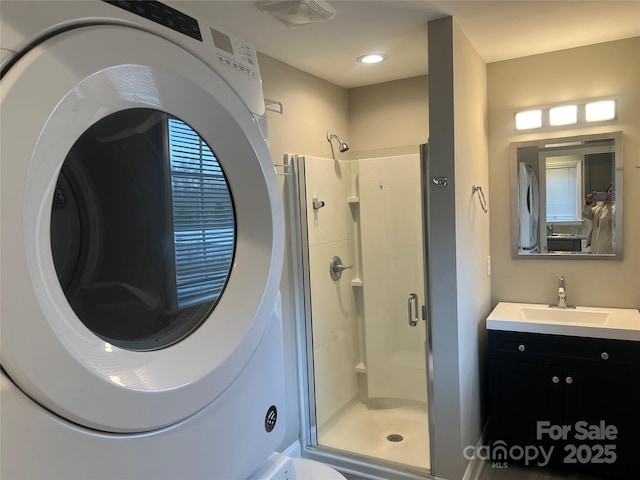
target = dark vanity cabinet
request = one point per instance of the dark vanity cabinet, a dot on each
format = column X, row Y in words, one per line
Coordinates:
column 578, row 396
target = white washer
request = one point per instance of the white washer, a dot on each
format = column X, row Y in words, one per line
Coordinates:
column 134, row 171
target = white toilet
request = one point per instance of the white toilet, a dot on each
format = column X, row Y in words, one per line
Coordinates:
column 280, row 467
column 310, row 469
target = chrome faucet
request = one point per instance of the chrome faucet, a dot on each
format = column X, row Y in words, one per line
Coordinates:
column 562, row 293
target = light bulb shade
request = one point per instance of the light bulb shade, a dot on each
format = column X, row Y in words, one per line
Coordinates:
column 528, row 119
column 564, row 115
column 600, row 111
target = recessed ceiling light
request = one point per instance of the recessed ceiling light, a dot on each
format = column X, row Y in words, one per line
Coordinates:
column 372, row 58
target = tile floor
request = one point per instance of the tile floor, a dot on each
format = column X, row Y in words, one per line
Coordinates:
column 364, row 431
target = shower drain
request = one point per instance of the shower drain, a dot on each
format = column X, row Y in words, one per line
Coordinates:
column 395, row 437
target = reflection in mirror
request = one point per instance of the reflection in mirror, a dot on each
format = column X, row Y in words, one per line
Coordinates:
column 567, row 197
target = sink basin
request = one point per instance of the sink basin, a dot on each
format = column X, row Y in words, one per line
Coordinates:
column 596, row 322
column 565, row 315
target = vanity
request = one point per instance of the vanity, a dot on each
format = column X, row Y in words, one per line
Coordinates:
column 565, row 243
column 564, row 388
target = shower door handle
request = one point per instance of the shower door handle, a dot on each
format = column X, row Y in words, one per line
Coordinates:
column 412, row 310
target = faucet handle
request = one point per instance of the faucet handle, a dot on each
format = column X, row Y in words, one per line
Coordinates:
column 336, row 268
column 561, row 282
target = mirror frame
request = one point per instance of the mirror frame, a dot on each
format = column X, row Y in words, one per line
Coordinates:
column 618, row 182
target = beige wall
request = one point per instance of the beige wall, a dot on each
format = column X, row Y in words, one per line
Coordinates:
column 391, row 114
column 609, row 70
column 311, row 107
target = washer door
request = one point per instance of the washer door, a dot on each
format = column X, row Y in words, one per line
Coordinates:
column 137, row 276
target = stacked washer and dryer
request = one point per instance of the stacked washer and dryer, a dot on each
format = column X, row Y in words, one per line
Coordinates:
column 142, row 243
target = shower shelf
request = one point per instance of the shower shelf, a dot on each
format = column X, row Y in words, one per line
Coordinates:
column 353, row 199
column 356, row 282
column 361, row 368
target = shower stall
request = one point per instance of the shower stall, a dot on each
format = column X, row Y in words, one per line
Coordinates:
column 359, row 238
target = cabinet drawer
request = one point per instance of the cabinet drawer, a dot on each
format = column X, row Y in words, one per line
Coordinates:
column 536, row 347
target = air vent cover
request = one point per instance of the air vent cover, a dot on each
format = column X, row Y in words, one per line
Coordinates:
column 294, row 13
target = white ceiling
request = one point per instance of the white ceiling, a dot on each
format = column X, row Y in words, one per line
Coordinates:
column 499, row 30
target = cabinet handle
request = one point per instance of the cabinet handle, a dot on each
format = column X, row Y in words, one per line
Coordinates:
column 521, row 348
column 555, row 379
column 569, row 380
column 604, row 356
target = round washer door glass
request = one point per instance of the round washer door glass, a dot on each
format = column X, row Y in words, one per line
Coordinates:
column 142, row 229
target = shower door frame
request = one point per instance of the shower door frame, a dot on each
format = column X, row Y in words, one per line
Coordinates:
column 343, row 460
column 302, row 300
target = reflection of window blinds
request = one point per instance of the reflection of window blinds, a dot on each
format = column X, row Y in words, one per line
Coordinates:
column 562, row 193
column 203, row 220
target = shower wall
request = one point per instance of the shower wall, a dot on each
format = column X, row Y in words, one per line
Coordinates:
column 333, row 316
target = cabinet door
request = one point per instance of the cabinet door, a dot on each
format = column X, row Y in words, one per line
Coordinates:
column 598, row 399
column 522, row 394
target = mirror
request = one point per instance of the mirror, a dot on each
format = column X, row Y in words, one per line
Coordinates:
column 566, row 197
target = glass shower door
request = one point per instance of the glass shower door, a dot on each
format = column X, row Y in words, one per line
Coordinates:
column 365, row 333
column 393, row 277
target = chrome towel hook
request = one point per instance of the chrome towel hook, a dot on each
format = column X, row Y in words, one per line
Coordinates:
column 481, row 199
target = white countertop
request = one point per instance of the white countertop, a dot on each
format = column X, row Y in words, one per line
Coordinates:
column 594, row 322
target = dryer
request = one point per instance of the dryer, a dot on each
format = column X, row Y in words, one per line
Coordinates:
column 141, row 247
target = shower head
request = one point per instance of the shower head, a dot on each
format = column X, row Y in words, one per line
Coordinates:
column 343, row 146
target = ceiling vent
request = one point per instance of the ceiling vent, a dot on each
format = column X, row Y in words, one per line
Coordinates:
column 294, row 13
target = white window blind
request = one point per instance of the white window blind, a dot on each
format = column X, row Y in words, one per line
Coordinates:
column 203, row 217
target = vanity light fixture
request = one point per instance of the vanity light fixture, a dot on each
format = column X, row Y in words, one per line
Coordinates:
column 528, row 119
column 372, row 58
column 600, row 111
column 578, row 114
column 564, row 115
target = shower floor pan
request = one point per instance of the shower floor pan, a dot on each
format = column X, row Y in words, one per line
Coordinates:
column 375, row 433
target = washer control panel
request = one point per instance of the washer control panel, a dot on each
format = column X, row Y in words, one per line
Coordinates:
column 235, row 54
